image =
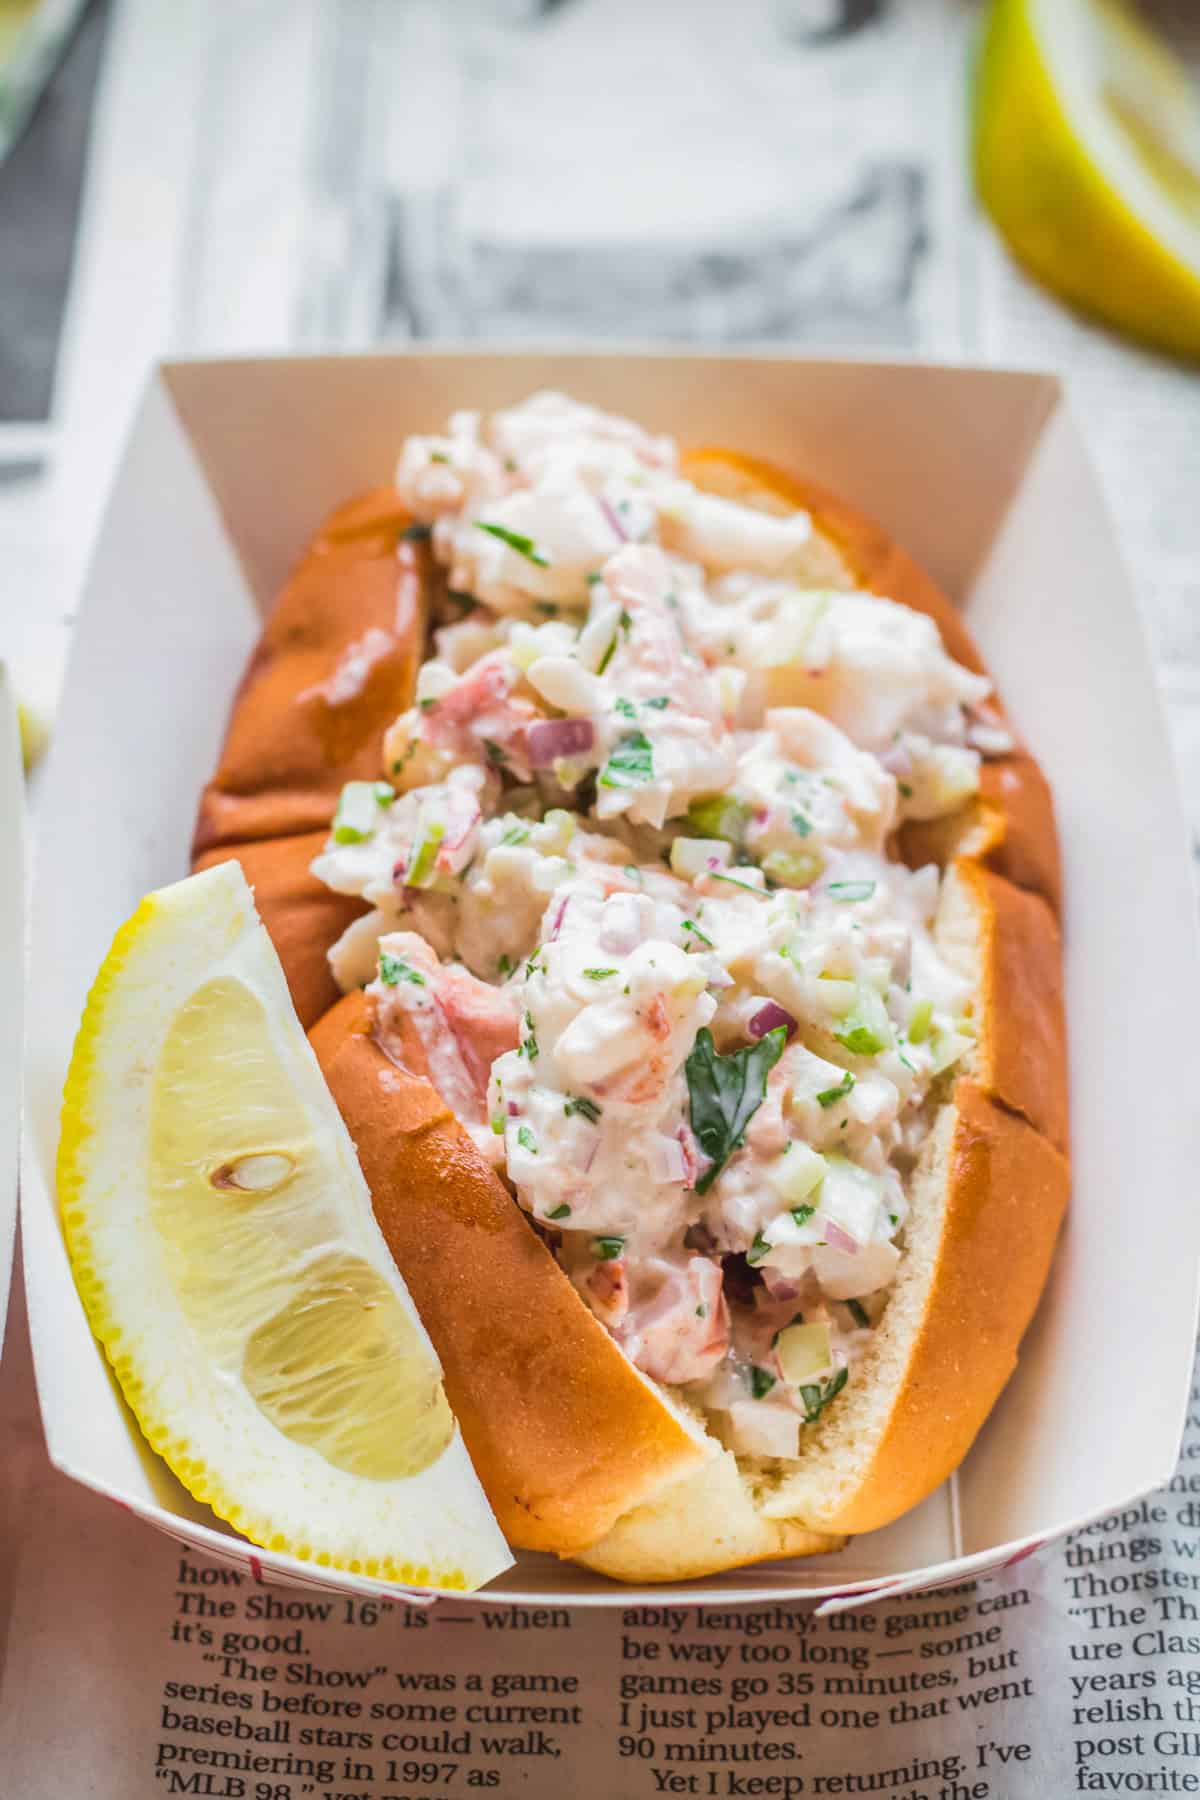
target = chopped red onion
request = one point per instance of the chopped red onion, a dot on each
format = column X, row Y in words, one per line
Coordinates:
column 897, row 760
column 780, row 1287
column 768, row 1016
column 668, row 1160
column 613, row 517
column 513, row 1109
column 690, row 1153
column 560, row 914
column 551, row 738
column 837, row 1239
column 718, row 975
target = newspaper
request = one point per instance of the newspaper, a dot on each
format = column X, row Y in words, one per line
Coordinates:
column 136, row 1667
column 347, row 172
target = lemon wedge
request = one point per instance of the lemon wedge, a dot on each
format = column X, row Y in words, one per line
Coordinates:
column 1087, row 155
column 223, row 1242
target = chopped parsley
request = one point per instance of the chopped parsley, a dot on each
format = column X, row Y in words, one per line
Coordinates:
column 759, row 1250
column 438, row 456
column 608, row 655
column 851, row 890
column 560, row 1212
column 817, row 1395
column 802, row 1214
column 626, row 708
column 800, row 825
column 747, row 886
column 761, row 1381
column 533, row 966
column 607, row 1249
column 587, row 1109
column 505, row 965
column 416, row 534
column 725, row 1092
column 690, row 925
column 529, row 1045
column 516, row 834
column 494, row 753
column 658, row 702
column 830, row 1096
column 516, row 540
column 599, row 974
column 394, row 969
column 527, row 1140
column 460, row 597
column 702, row 1311
column 625, row 623
column 631, row 763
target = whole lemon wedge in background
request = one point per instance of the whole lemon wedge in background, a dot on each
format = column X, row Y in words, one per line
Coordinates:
column 1087, row 155
column 223, row 1242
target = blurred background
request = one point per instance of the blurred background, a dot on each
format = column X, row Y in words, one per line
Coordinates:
column 297, row 174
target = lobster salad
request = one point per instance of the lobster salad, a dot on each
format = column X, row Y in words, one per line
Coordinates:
column 630, row 880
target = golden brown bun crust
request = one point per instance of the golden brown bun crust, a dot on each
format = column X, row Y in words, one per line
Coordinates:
column 1011, row 826
column 875, row 560
column 702, row 1525
column 302, row 916
column 564, row 1434
column 1005, row 1196
column 292, row 741
column 1022, row 1051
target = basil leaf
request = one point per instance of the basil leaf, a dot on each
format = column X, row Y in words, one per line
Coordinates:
column 725, row 1092
column 516, row 540
column 631, row 763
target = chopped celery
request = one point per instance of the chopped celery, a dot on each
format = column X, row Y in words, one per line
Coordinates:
column 719, row 816
column 920, row 1021
column 419, row 872
column 357, row 812
column 793, row 868
column 805, row 1353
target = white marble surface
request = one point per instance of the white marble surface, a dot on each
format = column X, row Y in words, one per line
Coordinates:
column 302, row 173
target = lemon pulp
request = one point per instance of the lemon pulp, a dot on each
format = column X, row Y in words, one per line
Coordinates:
column 223, row 1242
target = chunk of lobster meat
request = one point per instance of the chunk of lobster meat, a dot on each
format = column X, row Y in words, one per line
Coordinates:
column 478, row 719
column 441, row 1016
column 677, row 1329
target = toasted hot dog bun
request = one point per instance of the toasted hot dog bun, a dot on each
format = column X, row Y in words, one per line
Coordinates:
column 301, row 914
column 1010, row 826
column 987, row 1200
column 335, row 664
column 579, row 1453
column 565, row 1434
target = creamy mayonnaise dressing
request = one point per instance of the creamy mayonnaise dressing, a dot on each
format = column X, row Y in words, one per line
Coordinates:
column 631, row 890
